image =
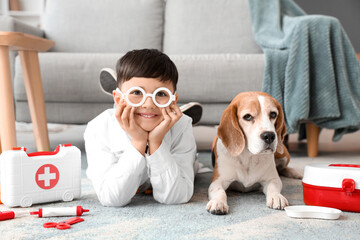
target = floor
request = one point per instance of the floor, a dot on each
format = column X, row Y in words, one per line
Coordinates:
column 144, row 218
column 347, row 150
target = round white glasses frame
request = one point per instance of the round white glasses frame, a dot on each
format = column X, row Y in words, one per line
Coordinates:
column 146, row 95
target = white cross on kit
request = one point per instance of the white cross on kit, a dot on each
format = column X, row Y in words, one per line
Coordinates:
column 47, row 176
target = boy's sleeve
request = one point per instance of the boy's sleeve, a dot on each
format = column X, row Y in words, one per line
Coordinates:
column 115, row 177
column 172, row 168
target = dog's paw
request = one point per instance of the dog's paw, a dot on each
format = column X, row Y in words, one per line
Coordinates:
column 276, row 201
column 217, row 207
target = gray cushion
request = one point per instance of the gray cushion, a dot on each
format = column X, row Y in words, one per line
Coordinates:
column 69, row 77
column 72, row 92
column 63, row 112
column 82, row 113
column 74, row 77
column 212, row 113
column 208, row 26
column 218, row 78
column 104, row 26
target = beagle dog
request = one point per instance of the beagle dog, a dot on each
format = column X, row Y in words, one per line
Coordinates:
column 248, row 151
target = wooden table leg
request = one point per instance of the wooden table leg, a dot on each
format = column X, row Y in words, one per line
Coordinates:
column 35, row 95
column 0, row 145
column 312, row 138
column 7, row 113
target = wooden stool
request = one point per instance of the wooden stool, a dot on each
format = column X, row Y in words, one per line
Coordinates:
column 28, row 47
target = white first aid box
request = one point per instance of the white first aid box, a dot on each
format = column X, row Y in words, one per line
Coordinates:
column 40, row 177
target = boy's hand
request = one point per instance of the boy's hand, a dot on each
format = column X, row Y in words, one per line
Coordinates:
column 125, row 115
column 171, row 115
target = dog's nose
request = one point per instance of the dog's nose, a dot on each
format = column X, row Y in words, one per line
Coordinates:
column 268, row 137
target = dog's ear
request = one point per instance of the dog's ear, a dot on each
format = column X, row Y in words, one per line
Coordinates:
column 280, row 128
column 230, row 132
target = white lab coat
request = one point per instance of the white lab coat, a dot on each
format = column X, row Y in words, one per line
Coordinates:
column 117, row 169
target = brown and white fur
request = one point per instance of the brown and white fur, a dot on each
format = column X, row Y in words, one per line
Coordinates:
column 248, row 151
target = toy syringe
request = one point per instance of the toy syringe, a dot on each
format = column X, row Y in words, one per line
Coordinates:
column 6, row 215
column 44, row 212
column 60, row 211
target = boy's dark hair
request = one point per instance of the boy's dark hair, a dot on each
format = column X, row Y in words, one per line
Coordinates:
column 148, row 63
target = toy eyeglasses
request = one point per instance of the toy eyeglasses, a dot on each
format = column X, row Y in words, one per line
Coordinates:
column 136, row 96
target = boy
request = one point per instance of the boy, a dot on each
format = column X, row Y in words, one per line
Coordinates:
column 145, row 138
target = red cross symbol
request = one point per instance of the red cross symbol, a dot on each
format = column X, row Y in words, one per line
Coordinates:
column 47, row 176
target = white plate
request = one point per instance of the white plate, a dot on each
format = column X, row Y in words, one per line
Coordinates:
column 312, row 212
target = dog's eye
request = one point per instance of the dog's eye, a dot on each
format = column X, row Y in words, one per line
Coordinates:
column 248, row 117
column 273, row 115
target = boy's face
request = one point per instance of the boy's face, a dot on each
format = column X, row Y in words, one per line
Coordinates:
column 148, row 115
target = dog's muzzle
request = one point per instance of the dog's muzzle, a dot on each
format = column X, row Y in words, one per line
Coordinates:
column 268, row 139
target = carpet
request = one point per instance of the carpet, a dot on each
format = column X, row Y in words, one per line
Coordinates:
column 144, row 218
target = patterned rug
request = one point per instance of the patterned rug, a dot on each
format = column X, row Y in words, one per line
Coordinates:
column 144, row 218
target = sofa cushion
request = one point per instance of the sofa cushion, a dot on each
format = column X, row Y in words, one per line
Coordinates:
column 63, row 112
column 218, row 78
column 208, row 26
column 82, row 113
column 214, row 78
column 69, row 77
column 104, row 26
column 72, row 92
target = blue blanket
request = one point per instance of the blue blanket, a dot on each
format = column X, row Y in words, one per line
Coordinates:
column 311, row 67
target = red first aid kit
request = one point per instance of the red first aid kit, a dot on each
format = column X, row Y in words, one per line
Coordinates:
column 30, row 178
column 332, row 185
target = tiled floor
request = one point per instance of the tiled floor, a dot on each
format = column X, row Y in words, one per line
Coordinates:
column 347, row 150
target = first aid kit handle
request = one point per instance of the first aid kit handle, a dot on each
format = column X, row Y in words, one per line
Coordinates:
column 344, row 165
column 348, row 185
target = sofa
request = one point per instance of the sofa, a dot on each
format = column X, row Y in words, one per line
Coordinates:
column 210, row 41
